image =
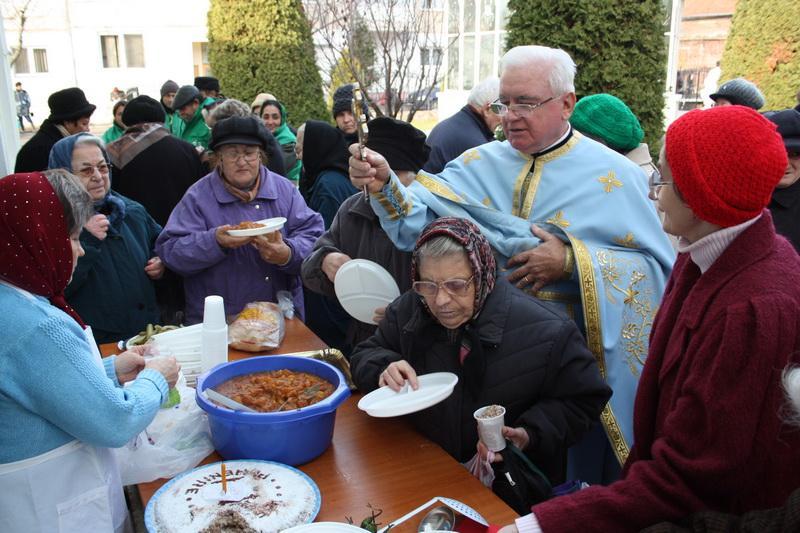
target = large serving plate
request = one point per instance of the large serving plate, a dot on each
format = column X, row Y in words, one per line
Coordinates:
column 433, row 388
column 274, row 496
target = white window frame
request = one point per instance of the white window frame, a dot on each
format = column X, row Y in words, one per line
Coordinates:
column 121, row 40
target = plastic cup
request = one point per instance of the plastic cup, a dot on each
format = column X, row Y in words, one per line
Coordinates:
column 490, row 428
column 214, row 313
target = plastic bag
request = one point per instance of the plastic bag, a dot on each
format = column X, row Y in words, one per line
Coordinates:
column 259, row 326
column 481, row 468
column 176, row 440
column 286, row 303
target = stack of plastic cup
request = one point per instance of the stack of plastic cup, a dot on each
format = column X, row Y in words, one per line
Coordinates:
column 215, row 334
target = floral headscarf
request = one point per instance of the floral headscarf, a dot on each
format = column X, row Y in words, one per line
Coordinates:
column 478, row 250
column 37, row 255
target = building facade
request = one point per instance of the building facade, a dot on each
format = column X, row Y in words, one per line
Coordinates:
column 103, row 45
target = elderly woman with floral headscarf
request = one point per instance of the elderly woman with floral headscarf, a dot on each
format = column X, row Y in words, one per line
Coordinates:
column 112, row 288
column 506, row 348
column 61, row 405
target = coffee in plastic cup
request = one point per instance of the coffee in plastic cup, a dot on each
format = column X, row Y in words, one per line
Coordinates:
column 490, row 426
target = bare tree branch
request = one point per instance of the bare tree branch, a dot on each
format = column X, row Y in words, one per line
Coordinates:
column 391, row 69
column 20, row 15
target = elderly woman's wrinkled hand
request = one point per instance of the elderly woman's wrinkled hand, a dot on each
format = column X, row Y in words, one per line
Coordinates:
column 518, row 436
column 154, row 268
column 98, row 226
column 396, row 374
column 332, row 263
column 272, row 249
column 229, row 241
column 372, row 173
column 167, row 367
column 541, row 265
column 127, row 365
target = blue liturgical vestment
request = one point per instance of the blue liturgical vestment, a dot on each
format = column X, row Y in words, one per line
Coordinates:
column 592, row 198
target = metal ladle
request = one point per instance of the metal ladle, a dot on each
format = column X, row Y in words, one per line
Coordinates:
column 441, row 518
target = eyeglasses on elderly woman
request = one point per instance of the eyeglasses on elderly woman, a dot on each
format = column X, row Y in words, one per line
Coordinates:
column 655, row 181
column 232, row 154
column 88, row 170
column 454, row 287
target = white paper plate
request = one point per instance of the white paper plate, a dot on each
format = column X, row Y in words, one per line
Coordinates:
column 270, row 225
column 362, row 286
column 324, row 527
column 433, row 388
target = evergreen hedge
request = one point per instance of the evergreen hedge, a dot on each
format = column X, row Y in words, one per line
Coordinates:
column 618, row 46
column 764, row 46
column 265, row 46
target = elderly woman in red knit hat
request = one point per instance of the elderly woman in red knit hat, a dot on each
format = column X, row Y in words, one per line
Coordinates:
column 709, row 425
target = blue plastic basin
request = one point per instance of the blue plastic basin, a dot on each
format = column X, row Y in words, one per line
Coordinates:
column 289, row 437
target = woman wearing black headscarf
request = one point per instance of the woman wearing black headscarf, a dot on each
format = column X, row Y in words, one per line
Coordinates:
column 506, row 348
column 325, row 183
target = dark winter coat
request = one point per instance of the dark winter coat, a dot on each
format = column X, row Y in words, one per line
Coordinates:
column 110, row 289
column 356, row 232
column 537, row 366
column 785, row 209
column 709, row 428
column 34, row 154
column 453, row 136
column 158, row 177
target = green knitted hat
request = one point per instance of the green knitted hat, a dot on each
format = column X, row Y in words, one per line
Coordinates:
column 607, row 118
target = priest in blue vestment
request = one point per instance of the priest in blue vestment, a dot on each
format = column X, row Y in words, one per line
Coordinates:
column 569, row 220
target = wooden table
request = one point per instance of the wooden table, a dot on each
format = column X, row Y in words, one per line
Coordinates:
column 383, row 462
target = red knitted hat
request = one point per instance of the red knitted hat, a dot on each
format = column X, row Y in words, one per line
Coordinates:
column 725, row 161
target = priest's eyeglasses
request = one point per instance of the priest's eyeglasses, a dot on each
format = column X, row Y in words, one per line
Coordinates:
column 454, row 287
column 522, row 110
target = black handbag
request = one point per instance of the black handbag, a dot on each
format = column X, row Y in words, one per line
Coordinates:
column 519, row 482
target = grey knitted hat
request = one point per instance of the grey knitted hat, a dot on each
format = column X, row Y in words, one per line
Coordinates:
column 739, row 91
column 169, row 87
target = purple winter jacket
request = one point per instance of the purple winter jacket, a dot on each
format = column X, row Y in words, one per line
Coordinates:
column 188, row 244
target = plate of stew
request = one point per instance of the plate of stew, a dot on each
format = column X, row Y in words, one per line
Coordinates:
column 259, row 227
